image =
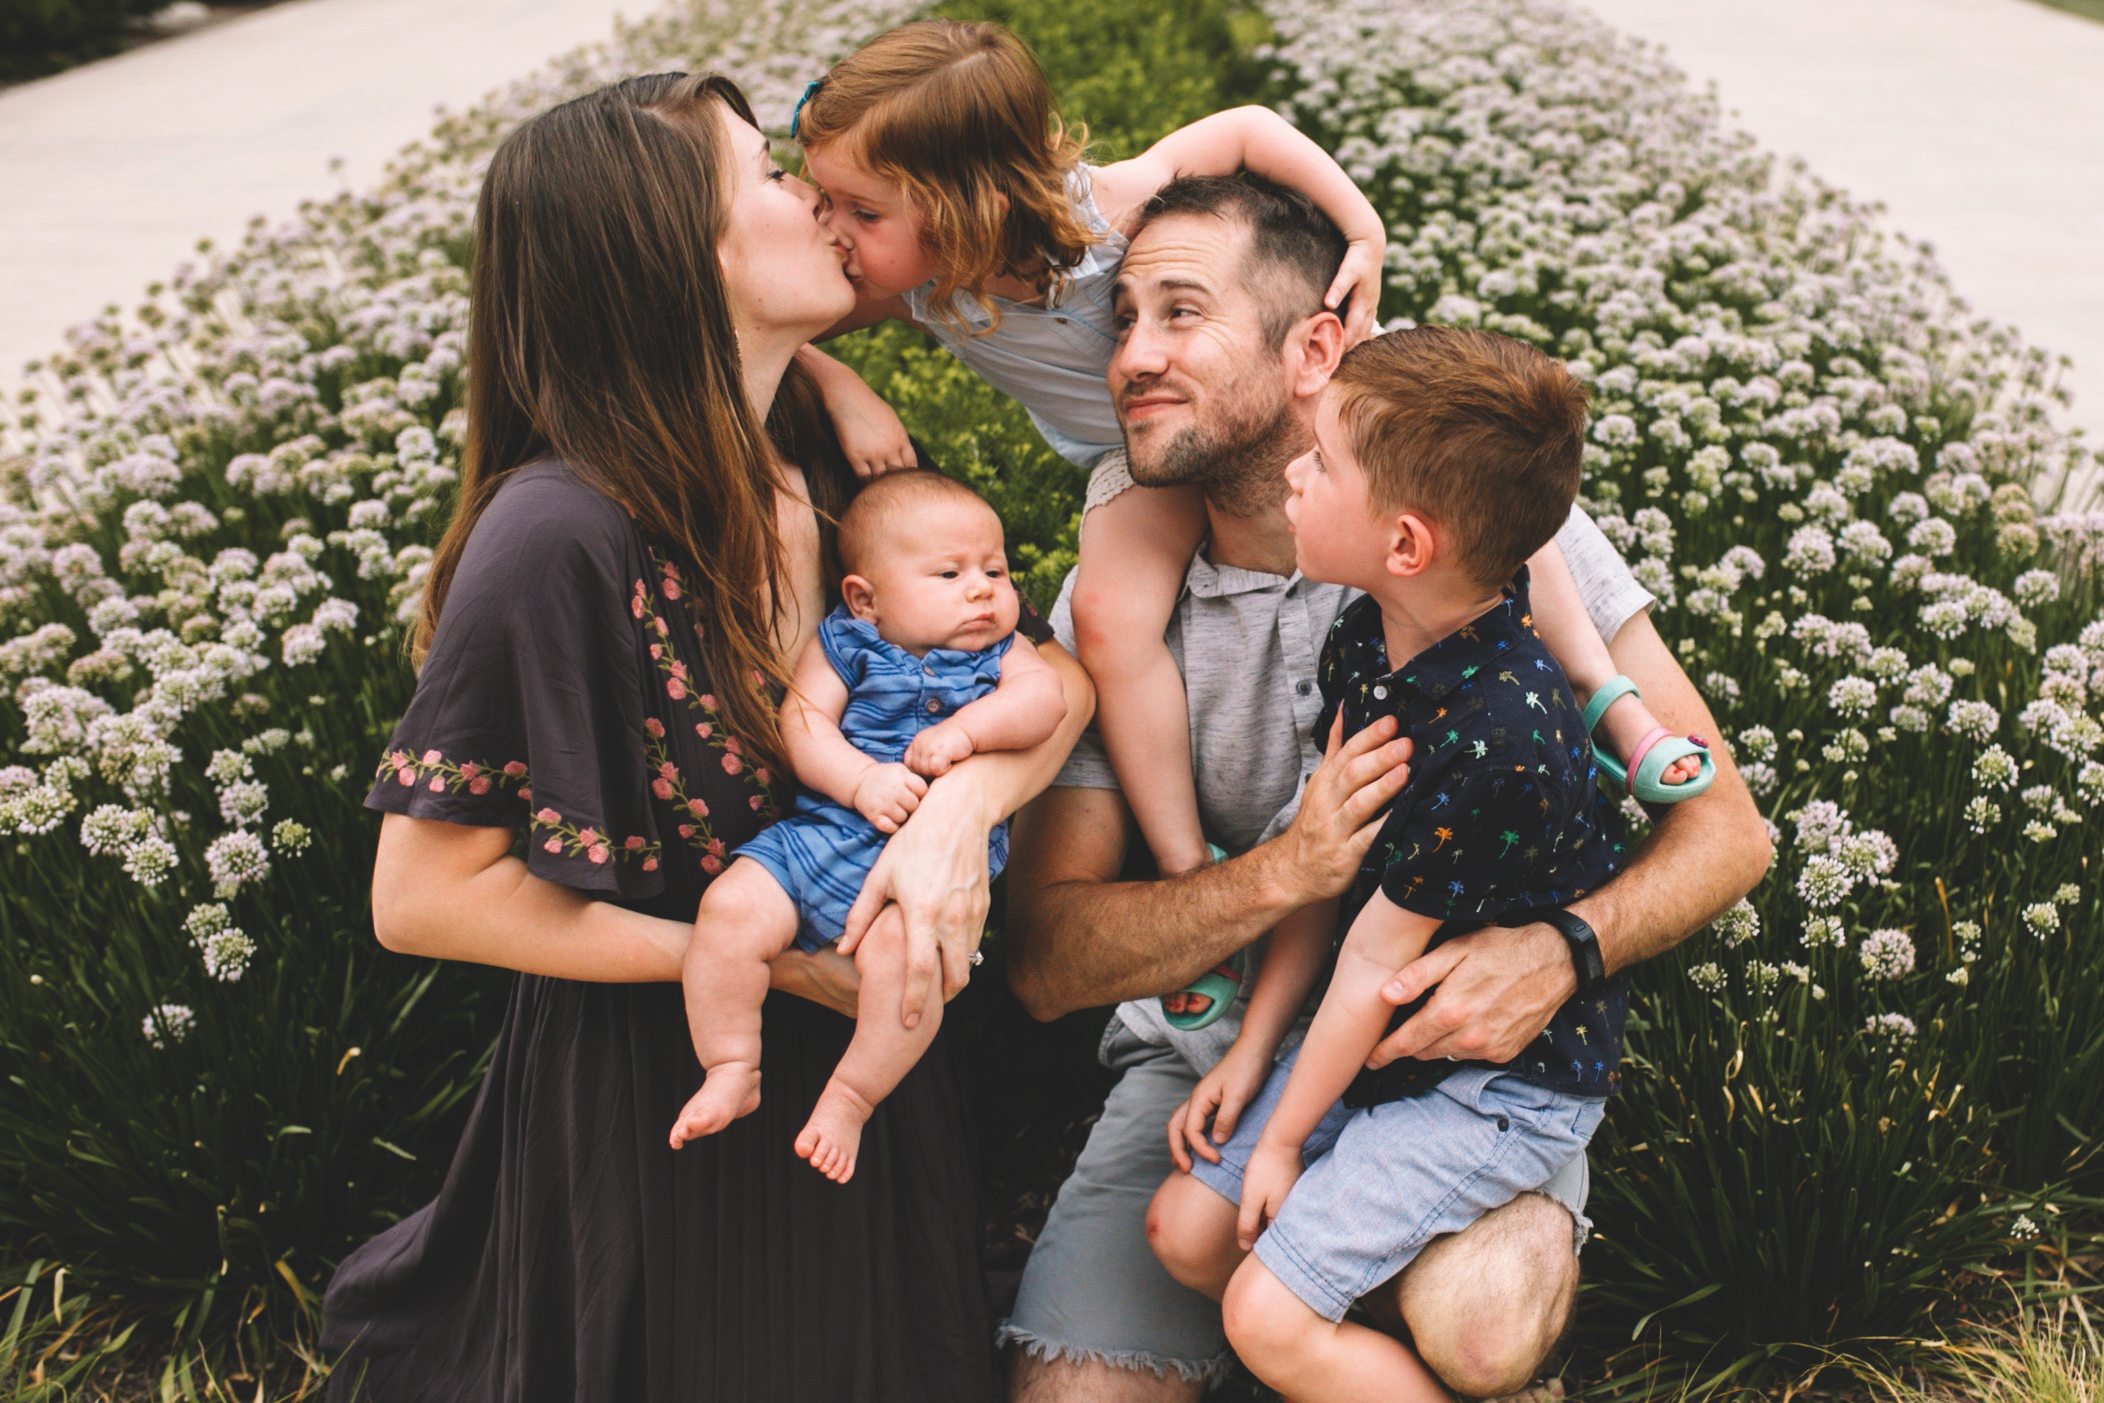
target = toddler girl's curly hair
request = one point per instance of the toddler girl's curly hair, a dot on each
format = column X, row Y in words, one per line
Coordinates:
column 960, row 116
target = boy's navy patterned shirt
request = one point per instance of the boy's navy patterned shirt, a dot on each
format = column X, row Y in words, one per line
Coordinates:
column 1502, row 817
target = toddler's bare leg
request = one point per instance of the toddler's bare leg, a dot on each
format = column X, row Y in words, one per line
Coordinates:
column 1309, row 1359
column 746, row 919
column 1564, row 625
column 882, row 1051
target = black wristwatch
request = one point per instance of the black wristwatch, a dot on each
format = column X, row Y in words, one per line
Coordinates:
column 1585, row 949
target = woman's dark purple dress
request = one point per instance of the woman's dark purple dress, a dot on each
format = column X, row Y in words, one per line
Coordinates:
column 571, row 1255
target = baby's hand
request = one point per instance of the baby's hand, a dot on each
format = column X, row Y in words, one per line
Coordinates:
column 1270, row 1176
column 871, row 435
column 887, row 795
column 1359, row 277
column 936, row 749
column 1220, row 1096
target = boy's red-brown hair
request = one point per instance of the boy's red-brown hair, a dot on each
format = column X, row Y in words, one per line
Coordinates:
column 1481, row 435
column 960, row 116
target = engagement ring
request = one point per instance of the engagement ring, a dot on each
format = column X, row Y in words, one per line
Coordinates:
column 977, row 957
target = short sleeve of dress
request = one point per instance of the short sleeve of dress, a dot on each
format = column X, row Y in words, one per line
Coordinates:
column 529, row 710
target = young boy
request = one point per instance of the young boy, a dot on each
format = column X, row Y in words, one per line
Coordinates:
column 914, row 672
column 1443, row 459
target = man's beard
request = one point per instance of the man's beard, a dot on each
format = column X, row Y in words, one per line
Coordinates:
column 1238, row 458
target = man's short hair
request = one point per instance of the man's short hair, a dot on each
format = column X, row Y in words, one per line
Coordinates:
column 885, row 504
column 1480, row 434
column 1294, row 248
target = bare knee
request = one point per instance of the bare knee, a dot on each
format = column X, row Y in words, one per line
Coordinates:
column 1191, row 1230
column 1487, row 1305
column 1267, row 1324
column 745, row 912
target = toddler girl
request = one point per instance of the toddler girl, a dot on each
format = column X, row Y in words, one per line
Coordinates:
column 971, row 215
column 914, row 672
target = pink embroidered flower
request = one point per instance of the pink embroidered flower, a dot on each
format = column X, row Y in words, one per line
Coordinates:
column 525, row 796
column 553, row 845
column 679, row 669
column 406, row 776
column 671, row 583
column 432, row 757
column 762, row 776
column 656, row 652
column 515, row 768
column 548, row 816
column 708, row 701
column 479, row 785
column 597, row 853
column 731, row 765
column 730, row 743
column 589, row 837
column 469, row 769
column 632, row 842
column 711, row 864
column 662, row 788
column 686, row 830
column 668, row 770
column 398, row 758
column 654, row 726
column 635, row 605
column 697, row 808
column 650, row 864
column 437, row 785
column 704, row 729
column 675, row 689
column 715, row 847
column 754, row 802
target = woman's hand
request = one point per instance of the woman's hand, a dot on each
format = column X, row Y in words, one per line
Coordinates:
column 935, row 870
column 1220, row 1097
column 1272, row 1172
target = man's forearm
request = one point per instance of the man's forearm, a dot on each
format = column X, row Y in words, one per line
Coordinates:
column 1077, row 939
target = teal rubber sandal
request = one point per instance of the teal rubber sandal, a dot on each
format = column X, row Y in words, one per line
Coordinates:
column 1220, row 983
column 1654, row 753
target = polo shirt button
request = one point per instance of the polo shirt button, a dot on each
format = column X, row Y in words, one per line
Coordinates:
column 1304, row 686
column 1380, row 693
column 934, row 705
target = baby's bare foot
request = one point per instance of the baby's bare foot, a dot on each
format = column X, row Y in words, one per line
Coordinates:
column 833, row 1136
column 731, row 1090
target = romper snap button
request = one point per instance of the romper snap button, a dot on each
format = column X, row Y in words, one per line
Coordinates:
column 1503, row 1124
column 934, row 705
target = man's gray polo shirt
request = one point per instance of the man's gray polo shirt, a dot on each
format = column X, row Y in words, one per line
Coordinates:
column 1248, row 643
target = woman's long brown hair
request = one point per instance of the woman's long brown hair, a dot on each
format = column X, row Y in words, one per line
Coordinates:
column 600, row 335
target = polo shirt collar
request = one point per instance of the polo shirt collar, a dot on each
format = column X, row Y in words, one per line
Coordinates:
column 1471, row 649
column 1209, row 581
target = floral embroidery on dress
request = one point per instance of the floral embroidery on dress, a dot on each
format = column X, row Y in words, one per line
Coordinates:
column 434, row 772
column 564, row 838
column 678, row 679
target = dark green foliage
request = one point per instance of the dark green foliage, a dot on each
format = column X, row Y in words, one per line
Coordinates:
column 43, row 36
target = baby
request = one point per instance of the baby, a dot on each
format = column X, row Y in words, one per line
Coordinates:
column 1443, row 459
column 917, row 669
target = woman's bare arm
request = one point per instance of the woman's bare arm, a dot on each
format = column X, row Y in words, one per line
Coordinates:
column 452, row 892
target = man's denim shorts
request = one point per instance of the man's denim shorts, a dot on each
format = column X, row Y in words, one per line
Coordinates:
column 1383, row 1181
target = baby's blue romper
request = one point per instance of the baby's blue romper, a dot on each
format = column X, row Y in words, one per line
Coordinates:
column 821, row 853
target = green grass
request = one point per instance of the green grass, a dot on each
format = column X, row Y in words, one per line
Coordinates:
column 2088, row 9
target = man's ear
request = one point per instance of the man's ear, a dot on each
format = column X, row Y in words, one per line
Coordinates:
column 1412, row 546
column 860, row 596
column 1313, row 351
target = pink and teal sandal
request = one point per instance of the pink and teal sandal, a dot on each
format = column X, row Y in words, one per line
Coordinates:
column 1220, row 984
column 1658, row 750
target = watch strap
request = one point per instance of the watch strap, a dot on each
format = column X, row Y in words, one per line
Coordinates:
column 1586, row 961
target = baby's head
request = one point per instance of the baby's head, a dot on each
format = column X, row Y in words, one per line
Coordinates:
column 940, row 148
column 1471, row 441
column 925, row 564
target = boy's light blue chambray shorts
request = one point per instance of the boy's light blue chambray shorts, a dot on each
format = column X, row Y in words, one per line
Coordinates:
column 1092, row 1289
column 1382, row 1181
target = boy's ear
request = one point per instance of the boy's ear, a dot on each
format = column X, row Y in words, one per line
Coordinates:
column 860, row 596
column 1412, row 546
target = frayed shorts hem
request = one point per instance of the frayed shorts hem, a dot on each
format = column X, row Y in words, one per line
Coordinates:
column 1207, row 1371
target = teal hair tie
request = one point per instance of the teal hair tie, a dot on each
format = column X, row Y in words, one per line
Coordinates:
column 797, row 116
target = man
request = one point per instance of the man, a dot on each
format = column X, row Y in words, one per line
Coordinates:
column 1216, row 380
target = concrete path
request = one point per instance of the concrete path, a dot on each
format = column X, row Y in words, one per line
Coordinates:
column 1979, row 124
column 110, row 173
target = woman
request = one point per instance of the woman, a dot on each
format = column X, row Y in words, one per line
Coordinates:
column 634, row 560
